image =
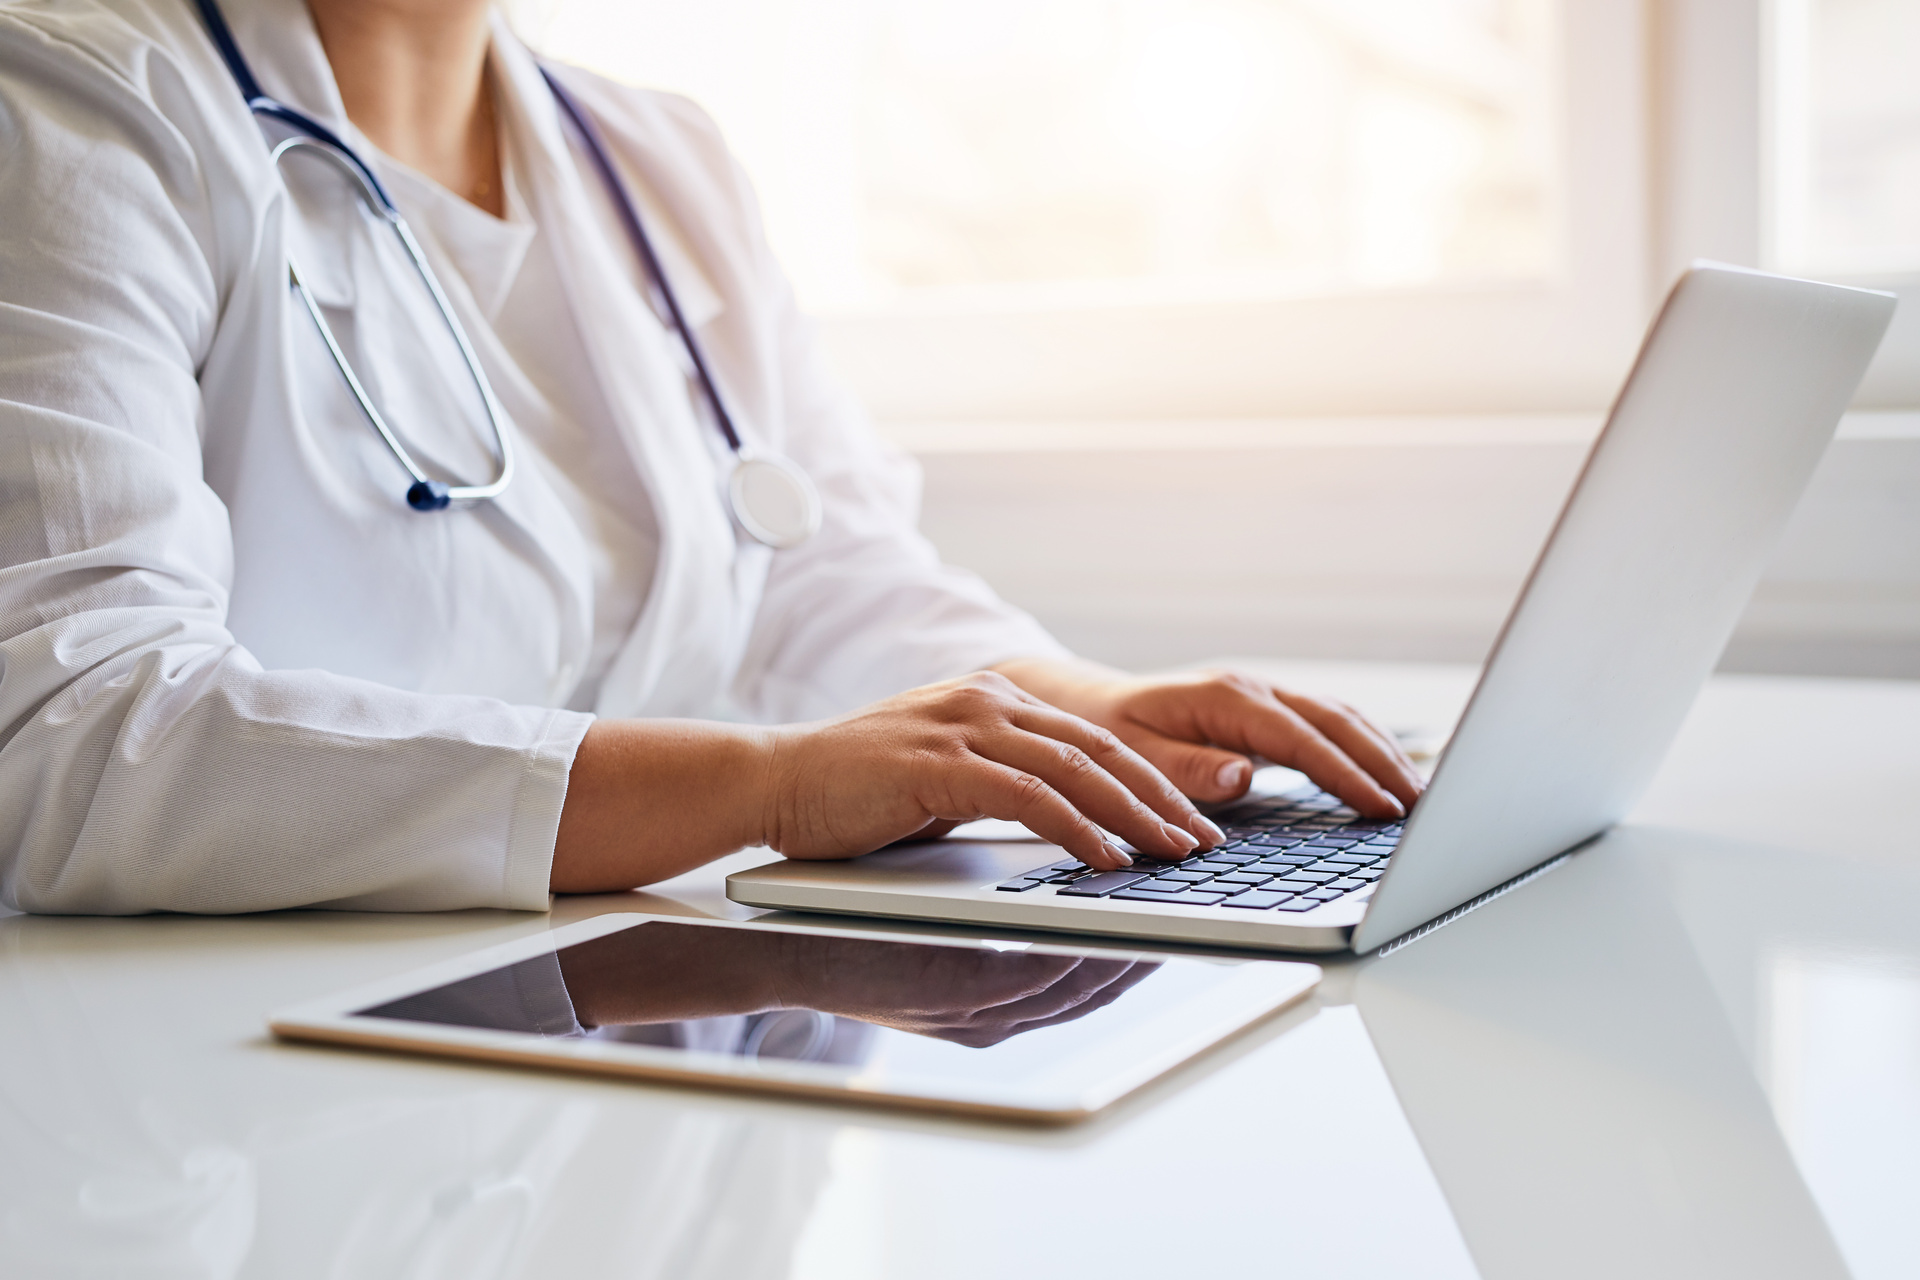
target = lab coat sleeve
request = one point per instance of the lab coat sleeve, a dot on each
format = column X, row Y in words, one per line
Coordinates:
column 147, row 761
column 865, row 608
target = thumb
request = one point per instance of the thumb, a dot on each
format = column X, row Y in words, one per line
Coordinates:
column 1210, row 774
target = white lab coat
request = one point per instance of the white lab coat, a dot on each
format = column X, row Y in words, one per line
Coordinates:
column 236, row 671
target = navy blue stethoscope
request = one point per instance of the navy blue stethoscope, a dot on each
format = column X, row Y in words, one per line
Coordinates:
column 771, row 497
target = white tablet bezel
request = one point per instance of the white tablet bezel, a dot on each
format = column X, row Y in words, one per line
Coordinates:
column 1158, row 1045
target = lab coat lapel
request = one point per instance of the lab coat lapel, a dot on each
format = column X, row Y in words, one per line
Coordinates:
column 681, row 656
column 284, row 51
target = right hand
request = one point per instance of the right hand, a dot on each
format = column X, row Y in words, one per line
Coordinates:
column 972, row 997
column 923, row 762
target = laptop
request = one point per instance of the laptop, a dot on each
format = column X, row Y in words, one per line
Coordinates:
column 1736, row 391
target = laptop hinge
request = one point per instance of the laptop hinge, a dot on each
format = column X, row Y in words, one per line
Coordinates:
column 1442, row 921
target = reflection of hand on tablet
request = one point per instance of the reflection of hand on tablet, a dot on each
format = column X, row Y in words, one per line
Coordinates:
column 972, row 997
column 668, row 973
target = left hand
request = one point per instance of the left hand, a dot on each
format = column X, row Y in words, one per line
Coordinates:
column 1202, row 730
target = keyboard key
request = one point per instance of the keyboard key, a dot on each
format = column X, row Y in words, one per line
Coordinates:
column 1065, row 864
column 1163, row 885
column 1302, row 875
column 1227, row 887
column 1370, row 874
column 1099, row 886
column 1348, row 885
column 1192, row 877
column 1017, row 886
column 1276, row 840
column 1356, row 858
column 1333, row 869
column 1245, row 877
column 1212, row 867
column 1298, row 904
column 1332, row 842
column 1290, row 860
column 1324, row 893
column 1239, row 859
column 1257, row 900
column 1192, row 898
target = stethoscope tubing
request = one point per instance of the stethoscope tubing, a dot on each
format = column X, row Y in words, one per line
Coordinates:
column 424, row 494
column 643, row 243
column 800, row 514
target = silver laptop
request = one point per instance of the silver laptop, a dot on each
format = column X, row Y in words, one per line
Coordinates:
column 1732, row 400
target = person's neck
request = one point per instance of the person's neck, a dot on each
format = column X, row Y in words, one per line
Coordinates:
column 413, row 77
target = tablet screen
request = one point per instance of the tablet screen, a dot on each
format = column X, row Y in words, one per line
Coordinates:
column 889, row 1012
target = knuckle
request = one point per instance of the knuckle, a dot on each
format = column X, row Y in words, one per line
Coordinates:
column 1028, row 789
column 978, row 694
column 1239, row 682
column 1077, row 762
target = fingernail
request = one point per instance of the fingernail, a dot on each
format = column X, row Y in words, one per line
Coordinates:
column 1115, row 852
column 1231, row 774
column 1185, row 839
column 1208, row 833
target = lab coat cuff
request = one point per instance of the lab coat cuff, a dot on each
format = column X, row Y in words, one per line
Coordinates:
column 536, row 811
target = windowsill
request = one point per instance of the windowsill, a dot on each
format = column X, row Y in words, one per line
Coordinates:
column 1223, row 434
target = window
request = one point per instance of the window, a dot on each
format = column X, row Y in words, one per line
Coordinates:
column 1021, row 209
column 1174, row 207
column 1273, row 146
column 1847, row 146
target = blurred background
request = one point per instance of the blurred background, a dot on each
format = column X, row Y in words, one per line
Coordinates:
column 1280, row 327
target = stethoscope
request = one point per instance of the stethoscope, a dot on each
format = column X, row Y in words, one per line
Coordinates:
column 771, row 497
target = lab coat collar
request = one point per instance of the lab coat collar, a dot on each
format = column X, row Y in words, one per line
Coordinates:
column 537, row 114
column 677, row 457
column 282, row 46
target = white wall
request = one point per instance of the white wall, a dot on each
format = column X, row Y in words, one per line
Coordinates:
column 1154, row 544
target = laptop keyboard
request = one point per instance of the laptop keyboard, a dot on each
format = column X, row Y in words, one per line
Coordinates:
column 1286, row 854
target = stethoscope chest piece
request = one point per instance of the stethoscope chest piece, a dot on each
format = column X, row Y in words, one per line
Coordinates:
column 774, row 501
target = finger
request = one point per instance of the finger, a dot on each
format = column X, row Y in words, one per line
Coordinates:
column 1075, row 774
column 1015, row 795
column 1132, row 770
column 1365, row 745
column 1388, row 741
column 1069, row 991
column 1070, row 996
column 1106, row 995
column 1275, row 730
column 1205, row 773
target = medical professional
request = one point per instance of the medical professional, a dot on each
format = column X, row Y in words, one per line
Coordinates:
column 553, row 562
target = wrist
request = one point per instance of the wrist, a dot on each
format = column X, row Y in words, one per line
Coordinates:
column 1075, row 685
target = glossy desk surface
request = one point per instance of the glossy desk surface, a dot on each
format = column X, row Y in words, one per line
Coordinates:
column 1695, row 1051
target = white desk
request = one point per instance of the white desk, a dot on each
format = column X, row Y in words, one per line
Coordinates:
column 1693, row 1052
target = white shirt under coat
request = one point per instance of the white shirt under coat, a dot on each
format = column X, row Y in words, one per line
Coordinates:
column 237, row 672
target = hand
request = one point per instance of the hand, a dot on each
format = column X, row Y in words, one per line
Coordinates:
column 1202, row 730
column 668, row 972
column 973, row 997
column 978, row 747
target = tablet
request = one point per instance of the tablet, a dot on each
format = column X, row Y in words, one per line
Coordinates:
column 1017, row 1030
